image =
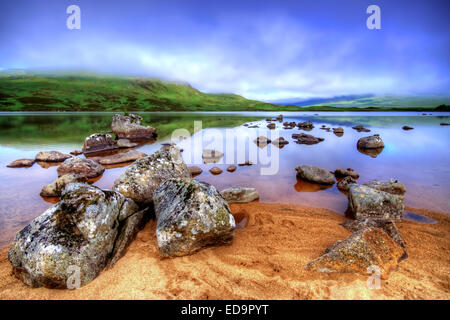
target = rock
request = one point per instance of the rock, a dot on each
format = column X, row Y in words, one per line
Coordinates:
column 190, row 215
column 240, row 194
column 305, row 125
column 360, row 128
column 280, row 142
column 371, row 152
column 130, row 155
column 271, row 126
column 339, row 173
column 129, row 127
column 370, row 142
column 253, row 126
column 407, row 128
column 391, row 186
column 365, row 202
column 55, row 188
column 246, row 163
column 195, row 171
column 315, row 174
column 445, row 124
column 215, row 170
column 141, row 178
column 80, row 234
column 361, row 250
column 52, row 156
column 125, row 143
column 345, row 183
column 387, row 225
column 280, row 118
column 211, row 156
column 84, row 167
column 262, row 141
column 303, row 138
column 76, row 152
column 231, row 168
column 338, row 130
column 21, row 163
column 99, row 142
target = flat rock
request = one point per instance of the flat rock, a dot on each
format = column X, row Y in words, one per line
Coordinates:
column 52, row 156
column 365, row 202
column 130, row 155
column 346, row 173
column 361, row 250
column 315, row 174
column 76, row 152
column 141, row 178
column 303, row 138
column 231, row 168
column 407, row 128
column 78, row 235
column 305, row 125
column 360, row 128
column 99, row 142
column 190, row 215
column 240, row 194
column 444, row 124
column 85, row 167
column 125, row 143
column 129, row 127
column 370, row 142
column 55, row 188
column 21, row 163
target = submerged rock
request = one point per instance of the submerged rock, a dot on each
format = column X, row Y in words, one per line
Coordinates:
column 366, row 202
column 78, row 235
column 240, row 194
column 52, row 156
column 246, row 163
column 445, row 124
column 338, row 130
column 407, row 128
column 85, row 167
column 303, row 138
column 371, row 152
column 211, row 156
column 315, row 174
column 55, row 188
column 345, row 183
column 99, row 142
column 129, row 127
column 231, row 168
column 370, row 142
column 130, row 155
column 190, row 215
column 141, row 178
column 21, row 163
column 363, row 249
column 360, row 128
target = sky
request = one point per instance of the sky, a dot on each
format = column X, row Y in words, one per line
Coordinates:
column 266, row 50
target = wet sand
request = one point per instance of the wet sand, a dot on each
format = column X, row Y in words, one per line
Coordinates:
column 265, row 261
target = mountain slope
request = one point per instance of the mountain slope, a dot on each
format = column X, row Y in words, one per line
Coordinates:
column 94, row 93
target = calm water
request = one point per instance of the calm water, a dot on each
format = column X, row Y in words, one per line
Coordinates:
column 419, row 158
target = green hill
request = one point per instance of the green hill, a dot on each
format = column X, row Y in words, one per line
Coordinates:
column 28, row 92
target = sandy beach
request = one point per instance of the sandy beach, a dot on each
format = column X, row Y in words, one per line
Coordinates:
column 265, row 261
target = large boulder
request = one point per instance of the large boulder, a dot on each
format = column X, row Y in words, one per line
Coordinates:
column 140, row 179
column 129, row 127
column 130, row 155
column 85, row 167
column 52, row 156
column 392, row 186
column 370, row 142
column 190, row 215
column 366, row 202
column 315, row 175
column 99, row 142
column 240, row 194
column 366, row 248
column 55, row 188
column 80, row 235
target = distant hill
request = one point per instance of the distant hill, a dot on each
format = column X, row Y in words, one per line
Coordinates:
column 320, row 101
column 24, row 91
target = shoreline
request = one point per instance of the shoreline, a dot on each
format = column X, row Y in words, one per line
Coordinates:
column 265, row 261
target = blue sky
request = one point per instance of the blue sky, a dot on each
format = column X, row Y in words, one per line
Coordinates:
column 267, row 50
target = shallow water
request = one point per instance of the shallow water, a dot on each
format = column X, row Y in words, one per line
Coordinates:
column 419, row 158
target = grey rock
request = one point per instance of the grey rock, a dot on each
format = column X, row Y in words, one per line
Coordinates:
column 392, row 186
column 240, row 194
column 121, row 157
column 315, row 174
column 129, row 127
column 80, row 232
column 84, row 167
column 365, row 202
column 370, row 142
column 190, row 215
column 141, row 178
column 55, row 188
column 99, row 142
column 52, row 156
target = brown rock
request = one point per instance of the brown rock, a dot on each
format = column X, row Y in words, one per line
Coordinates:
column 99, row 142
column 195, row 171
column 211, row 156
column 345, row 183
column 84, row 167
column 370, row 142
column 130, row 155
column 231, row 168
column 407, row 128
column 339, row 173
column 303, row 138
column 55, row 188
column 129, row 127
column 21, row 163
column 215, row 170
column 51, row 156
